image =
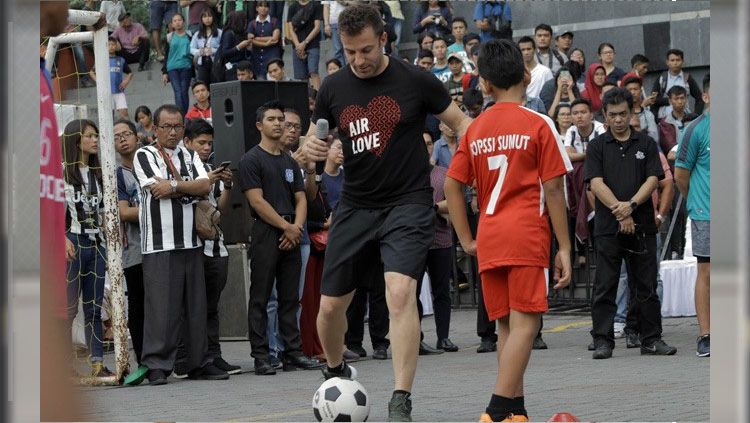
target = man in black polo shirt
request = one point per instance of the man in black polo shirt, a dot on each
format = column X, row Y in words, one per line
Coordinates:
column 273, row 186
column 623, row 168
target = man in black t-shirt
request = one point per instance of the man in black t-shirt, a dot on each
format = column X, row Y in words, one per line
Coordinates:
column 304, row 22
column 379, row 106
column 273, row 186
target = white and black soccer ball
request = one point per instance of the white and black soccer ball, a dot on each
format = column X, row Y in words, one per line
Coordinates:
column 341, row 400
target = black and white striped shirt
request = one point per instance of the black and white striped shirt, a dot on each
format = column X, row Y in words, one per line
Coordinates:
column 83, row 204
column 215, row 248
column 167, row 224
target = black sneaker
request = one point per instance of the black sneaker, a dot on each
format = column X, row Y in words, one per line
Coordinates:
column 359, row 350
column 350, row 355
column 380, row 352
column 399, row 407
column 344, row 371
column 591, row 346
column 208, row 372
column 275, row 362
column 659, row 347
column 264, row 368
column 156, row 377
column 487, row 346
column 602, row 351
column 446, row 345
column 539, row 343
column 180, row 371
column 632, row 340
column 229, row 368
column 704, row 346
column 294, row 362
column 425, row 349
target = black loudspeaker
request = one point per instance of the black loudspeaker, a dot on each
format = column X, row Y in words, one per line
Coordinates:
column 233, row 106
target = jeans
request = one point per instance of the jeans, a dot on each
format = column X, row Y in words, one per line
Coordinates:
column 86, row 280
column 338, row 49
column 397, row 29
column 81, row 66
column 275, row 341
column 303, row 68
column 180, row 79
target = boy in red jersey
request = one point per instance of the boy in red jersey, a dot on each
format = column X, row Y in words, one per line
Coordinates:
column 518, row 163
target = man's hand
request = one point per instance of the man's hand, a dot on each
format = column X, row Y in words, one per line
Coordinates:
column 301, row 158
column 627, row 226
column 291, row 237
column 70, row 250
column 161, row 189
column 621, row 209
column 316, row 150
column 327, row 30
column 562, row 269
column 226, row 176
column 648, row 101
column 300, row 48
column 470, row 248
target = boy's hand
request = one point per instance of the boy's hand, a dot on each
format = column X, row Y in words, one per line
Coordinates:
column 563, row 269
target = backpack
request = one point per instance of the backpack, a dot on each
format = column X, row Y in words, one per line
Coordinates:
column 663, row 83
column 667, row 136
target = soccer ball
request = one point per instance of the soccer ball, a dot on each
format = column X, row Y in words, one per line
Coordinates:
column 341, row 400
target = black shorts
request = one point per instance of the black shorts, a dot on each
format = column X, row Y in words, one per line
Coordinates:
column 403, row 234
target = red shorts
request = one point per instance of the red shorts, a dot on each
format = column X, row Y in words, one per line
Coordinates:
column 520, row 288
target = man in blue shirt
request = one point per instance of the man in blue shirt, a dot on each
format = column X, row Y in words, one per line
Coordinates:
column 493, row 19
column 693, row 178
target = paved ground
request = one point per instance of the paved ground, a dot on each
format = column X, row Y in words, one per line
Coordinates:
column 449, row 387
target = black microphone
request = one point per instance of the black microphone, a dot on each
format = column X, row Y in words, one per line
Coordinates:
column 321, row 133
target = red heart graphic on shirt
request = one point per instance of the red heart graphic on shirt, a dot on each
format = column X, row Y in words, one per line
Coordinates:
column 383, row 114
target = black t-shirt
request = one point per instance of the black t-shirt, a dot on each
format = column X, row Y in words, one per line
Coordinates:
column 311, row 12
column 277, row 175
column 624, row 167
column 380, row 123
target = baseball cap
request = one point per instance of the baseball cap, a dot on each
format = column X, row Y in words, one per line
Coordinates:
column 564, row 33
column 454, row 56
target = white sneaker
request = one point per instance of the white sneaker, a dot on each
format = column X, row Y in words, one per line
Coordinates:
column 619, row 330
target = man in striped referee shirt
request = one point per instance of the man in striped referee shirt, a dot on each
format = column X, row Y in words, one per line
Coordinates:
column 171, row 179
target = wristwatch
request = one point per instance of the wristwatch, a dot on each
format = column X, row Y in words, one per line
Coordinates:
column 173, row 184
column 633, row 205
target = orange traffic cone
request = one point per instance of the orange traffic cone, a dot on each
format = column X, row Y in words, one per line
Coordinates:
column 563, row 417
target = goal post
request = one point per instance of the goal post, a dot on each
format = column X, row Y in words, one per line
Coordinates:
column 111, row 221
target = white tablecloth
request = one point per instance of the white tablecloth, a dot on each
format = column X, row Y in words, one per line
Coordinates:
column 678, row 277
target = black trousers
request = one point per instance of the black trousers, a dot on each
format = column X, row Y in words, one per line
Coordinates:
column 642, row 270
column 140, row 56
column 373, row 294
column 269, row 263
column 134, row 279
column 439, row 268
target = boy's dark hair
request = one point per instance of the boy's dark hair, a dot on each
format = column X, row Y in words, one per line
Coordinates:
column 632, row 80
column 608, row 83
column 128, row 122
column 270, row 105
column 501, row 63
column 602, row 45
column 676, row 52
column 526, row 39
column 617, row 96
column 334, row 61
column 277, row 61
column 197, row 127
column 111, row 39
column 244, row 65
column 425, row 53
column 459, row 19
column 676, row 90
column 199, row 82
column 169, row 108
column 436, row 39
column 544, row 27
column 263, row 3
column 471, row 36
column 354, row 19
column 581, row 100
column 707, row 82
column 638, row 58
column 473, row 98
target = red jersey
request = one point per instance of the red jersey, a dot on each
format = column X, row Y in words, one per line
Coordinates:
column 510, row 150
column 51, row 202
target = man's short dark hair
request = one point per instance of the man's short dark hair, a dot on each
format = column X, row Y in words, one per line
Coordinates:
column 425, row 53
column 526, row 39
column 244, row 65
column 609, row 83
column 473, row 98
column 293, row 111
column 638, row 58
column 617, row 96
column 471, row 36
column 355, row 18
column 632, row 80
column 459, row 19
column 676, row 52
column 543, row 27
column 128, row 122
column 581, row 100
column 707, row 82
column 196, row 127
column 676, row 90
column 169, row 108
column 277, row 61
column 439, row 39
column 501, row 63
column 270, row 105
column 199, row 82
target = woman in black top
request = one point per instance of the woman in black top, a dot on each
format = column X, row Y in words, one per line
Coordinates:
column 234, row 44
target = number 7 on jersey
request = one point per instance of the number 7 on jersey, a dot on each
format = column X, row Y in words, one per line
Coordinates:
column 496, row 162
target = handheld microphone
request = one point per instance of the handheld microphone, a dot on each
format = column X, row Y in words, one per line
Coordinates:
column 321, row 133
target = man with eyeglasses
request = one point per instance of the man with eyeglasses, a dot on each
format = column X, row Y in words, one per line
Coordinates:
column 624, row 168
column 172, row 179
